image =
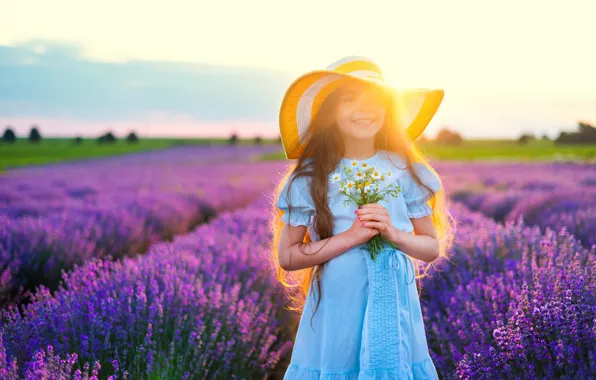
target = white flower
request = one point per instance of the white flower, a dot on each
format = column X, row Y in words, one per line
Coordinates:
column 367, row 186
column 350, row 185
column 375, row 174
column 388, row 173
column 336, row 177
column 359, row 174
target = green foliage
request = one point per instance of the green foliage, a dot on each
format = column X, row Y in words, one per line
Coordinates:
column 107, row 138
column 233, row 139
column 34, row 135
column 132, row 138
column 9, row 136
column 447, row 136
column 526, row 138
column 50, row 150
column 586, row 134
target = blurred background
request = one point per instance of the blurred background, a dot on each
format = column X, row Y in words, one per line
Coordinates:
column 140, row 151
column 513, row 73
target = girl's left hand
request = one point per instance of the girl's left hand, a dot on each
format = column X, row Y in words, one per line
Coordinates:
column 375, row 215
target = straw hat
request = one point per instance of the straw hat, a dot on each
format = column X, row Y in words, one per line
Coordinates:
column 303, row 99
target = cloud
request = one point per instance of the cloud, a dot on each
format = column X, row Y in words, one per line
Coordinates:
column 58, row 86
column 52, row 79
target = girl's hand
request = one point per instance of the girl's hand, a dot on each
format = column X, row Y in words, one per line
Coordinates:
column 375, row 215
column 360, row 234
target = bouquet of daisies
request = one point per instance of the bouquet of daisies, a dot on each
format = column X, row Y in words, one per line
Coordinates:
column 361, row 184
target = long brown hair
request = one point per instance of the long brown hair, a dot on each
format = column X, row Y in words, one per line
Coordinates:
column 326, row 147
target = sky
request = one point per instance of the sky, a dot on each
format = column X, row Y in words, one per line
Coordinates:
column 206, row 68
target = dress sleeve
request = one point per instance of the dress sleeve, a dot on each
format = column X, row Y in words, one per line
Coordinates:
column 416, row 196
column 301, row 209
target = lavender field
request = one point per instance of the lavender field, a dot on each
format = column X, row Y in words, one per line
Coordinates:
column 154, row 266
column 57, row 216
column 558, row 195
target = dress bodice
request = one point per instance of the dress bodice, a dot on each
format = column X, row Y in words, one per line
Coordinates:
column 391, row 172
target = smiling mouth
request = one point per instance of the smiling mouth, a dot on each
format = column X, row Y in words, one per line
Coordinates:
column 363, row 121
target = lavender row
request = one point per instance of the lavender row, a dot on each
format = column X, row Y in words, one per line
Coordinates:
column 202, row 306
column 114, row 181
column 505, row 277
column 512, row 302
column 556, row 195
column 54, row 217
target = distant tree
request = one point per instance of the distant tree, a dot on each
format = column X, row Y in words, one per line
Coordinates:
column 258, row 140
column 279, row 139
column 587, row 131
column 34, row 135
column 525, row 138
column 449, row 137
column 132, row 138
column 563, row 138
column 106, row 138
column 233, row 139
column 9, row 136
column 586, row 134
column 545, row 137
column 110, row 137
column 77, row 140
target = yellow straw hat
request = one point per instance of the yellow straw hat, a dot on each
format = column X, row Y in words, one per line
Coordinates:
column 415, row 107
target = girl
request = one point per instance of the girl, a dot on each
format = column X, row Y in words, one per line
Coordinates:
column 364, row 316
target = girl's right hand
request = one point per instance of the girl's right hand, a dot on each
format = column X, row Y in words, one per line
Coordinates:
column 360, row 234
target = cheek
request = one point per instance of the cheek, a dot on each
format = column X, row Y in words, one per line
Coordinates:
column 381, row 120
column 344, row 116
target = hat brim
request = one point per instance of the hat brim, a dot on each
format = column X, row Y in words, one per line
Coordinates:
column 303, row 98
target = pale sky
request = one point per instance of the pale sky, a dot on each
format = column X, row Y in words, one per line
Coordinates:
column 506, row 66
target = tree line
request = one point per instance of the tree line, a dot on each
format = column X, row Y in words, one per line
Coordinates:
column 585, row 134
column 9, row 136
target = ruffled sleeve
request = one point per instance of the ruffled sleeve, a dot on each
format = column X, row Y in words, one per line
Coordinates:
column 301, row 209
column 416, row 196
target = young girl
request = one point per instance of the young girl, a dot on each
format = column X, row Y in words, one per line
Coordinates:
column 361, row 318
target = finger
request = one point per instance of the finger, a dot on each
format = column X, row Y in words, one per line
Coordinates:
column 373, row 217
column 367, row 227
column 366, row 215
column 381, row 210
column 378, row 209
column 368, row 211
column 370, row 229
column 371, row 206
column 377, row 225
column 372, row 212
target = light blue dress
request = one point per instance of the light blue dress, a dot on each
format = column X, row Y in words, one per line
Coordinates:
column 369, row 323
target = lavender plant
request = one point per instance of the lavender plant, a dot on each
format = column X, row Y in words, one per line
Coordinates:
column 202, row 306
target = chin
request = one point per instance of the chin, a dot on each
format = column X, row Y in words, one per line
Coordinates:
column 367, row 132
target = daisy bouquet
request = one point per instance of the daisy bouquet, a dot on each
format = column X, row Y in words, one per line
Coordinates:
column 361, row 184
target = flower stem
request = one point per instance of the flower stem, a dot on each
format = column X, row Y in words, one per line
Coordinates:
column 375, row 245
